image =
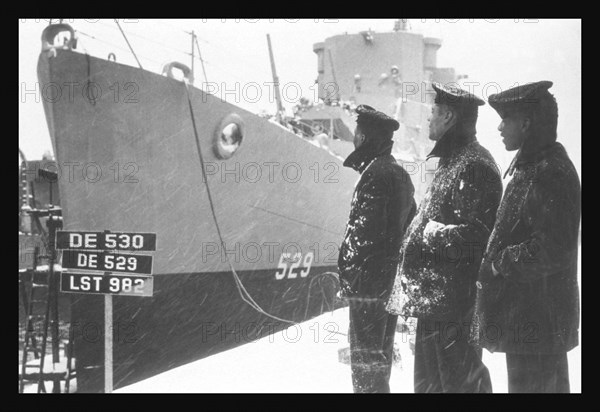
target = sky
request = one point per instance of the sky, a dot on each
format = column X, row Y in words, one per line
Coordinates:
column 496, row 54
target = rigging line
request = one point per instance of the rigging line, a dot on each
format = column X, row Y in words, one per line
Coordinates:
column 131, row 48
column 224, row 70
column 201, row 60
column 146, row 39
column 117, row 47
column 221, row 69
column 220, row 49
column 155, row 61
column 240, row 287
column 104, row 42
column 248, row 299
column 162, row 23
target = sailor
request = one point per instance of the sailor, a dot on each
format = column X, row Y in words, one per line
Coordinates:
column 528, row 293
column 382, row 206
column 320, row 137
column 443, row 248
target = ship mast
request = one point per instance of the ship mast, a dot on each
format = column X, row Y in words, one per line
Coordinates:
column 275, row 81
column 195, row 41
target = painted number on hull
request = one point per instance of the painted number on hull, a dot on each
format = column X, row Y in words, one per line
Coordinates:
column 292, row 265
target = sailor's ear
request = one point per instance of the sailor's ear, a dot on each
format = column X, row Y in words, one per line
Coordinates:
column 525, row 124
column 449, row 114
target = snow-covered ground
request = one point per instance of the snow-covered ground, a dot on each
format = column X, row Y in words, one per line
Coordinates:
column 303, row 358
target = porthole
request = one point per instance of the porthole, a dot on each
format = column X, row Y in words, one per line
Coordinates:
column 229, row 136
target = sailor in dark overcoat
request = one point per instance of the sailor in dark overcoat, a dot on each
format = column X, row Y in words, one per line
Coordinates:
column 528, row 293
column 381, row 208
column 443, row 248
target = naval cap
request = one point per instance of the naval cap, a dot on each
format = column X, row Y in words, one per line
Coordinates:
column 455, row 96
column 526, row 93
column 368, row 116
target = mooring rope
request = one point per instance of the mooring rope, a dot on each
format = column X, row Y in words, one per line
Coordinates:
column 245, row 295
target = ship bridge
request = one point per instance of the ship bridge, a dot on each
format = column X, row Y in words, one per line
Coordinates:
column 390, row 71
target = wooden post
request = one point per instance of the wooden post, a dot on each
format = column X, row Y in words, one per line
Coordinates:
column 108, row 344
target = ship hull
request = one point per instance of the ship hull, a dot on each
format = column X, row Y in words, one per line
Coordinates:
column 128, row 161
column 190, row 316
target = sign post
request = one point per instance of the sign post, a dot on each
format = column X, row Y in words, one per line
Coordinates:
column 93, row 252
column 108, row 344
